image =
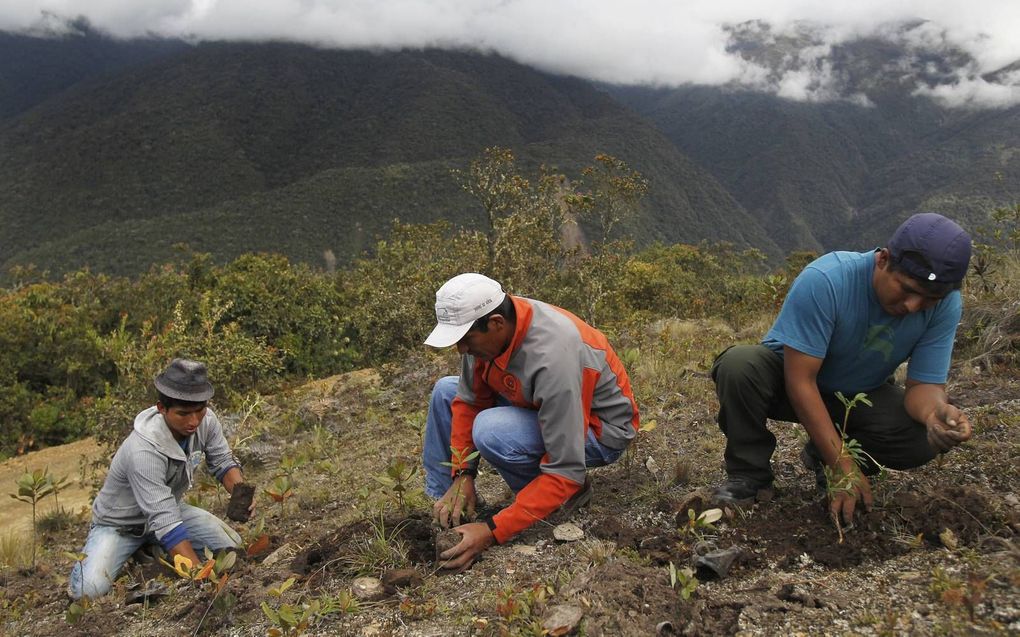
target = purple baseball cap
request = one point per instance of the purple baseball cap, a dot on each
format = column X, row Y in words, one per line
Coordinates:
column 944, row 244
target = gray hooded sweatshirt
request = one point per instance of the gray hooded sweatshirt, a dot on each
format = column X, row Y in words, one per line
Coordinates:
column 151, row 471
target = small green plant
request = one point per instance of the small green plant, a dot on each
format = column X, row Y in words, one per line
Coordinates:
column 294, row 619
column 77, row 609
column 459, row 458
column 256, row 540
column 208, row 485
column 396, row 480
column 417, row 610
column 343, row 602
column 836, row 481
column 33, row 487
column 58, row 485
column 683, row 581
column 221, row 563
column 520, row 610
column 700, row 525
column 214, row 568
column 289, row 466
column 280, row 491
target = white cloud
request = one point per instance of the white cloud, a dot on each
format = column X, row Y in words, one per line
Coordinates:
column 973, row 92
column 663, row 42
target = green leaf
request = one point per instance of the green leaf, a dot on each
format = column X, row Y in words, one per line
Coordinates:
column 270, row 613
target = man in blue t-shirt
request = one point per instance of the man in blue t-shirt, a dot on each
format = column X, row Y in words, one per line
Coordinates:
column 847, row 323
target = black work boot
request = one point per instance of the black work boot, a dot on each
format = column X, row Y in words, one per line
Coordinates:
column 741, row 490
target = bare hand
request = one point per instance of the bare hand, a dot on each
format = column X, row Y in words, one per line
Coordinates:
column 458, row 501
column 844, row 501
column 475, row 538
column 947, row 427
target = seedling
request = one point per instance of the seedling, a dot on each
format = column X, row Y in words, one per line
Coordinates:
column 700, row 525
column 396, row 480
column 519, row 611
column 682, row 581
column 280, row 491
column 187, row 569
column 836, row 481
column 289, row 466
column 207, row 484
column 292, row 619
column 218, row 575
column 458, row 459
column 33, row 487
column 256, row 540
column 77, row 608
column 58, row 485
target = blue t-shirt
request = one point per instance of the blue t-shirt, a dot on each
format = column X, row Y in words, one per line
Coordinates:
column 832, row 313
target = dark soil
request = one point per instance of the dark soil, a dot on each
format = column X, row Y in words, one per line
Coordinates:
column 336, row 552
column 240, row 502
column 790, row 527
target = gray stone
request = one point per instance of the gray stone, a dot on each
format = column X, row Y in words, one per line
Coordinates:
column 562, row 620
column 568, row 532
column 368, row 589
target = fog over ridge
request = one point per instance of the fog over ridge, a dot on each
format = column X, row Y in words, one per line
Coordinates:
column 647, row 42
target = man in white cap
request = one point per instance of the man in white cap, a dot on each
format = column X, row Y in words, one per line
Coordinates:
column 541, row 396
column 140, row 502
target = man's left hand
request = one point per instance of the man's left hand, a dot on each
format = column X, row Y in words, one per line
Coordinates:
column 947, row 427
column 475, row 538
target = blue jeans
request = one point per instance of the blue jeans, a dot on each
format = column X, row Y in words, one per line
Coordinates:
column 507, row 437
column 108, row 548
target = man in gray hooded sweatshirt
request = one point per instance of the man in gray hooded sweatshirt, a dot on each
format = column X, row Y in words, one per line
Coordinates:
column 140, row 501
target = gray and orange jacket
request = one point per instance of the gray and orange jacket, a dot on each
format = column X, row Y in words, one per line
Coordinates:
column 566, row 370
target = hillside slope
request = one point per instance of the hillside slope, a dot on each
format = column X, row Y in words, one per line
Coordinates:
column 241, row 142
column 854, row 164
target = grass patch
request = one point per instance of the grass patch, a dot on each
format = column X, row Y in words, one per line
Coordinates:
column 56, row 520
column 13, row 551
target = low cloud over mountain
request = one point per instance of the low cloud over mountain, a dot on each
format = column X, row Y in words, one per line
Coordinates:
column 959, row 54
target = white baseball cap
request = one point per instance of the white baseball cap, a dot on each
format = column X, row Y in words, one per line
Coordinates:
column 460, row 302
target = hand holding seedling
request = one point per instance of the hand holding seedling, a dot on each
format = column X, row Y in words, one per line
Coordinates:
column 947, row 427
column 854, row 486
column 457, row 503
column 475, row 538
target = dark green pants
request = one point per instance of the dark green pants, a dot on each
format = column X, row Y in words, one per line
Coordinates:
column 751, row 389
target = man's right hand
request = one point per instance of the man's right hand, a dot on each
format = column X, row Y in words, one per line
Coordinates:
column 844, row 501
column 459, row 499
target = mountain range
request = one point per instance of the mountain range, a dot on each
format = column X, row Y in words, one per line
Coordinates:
column 115, row 151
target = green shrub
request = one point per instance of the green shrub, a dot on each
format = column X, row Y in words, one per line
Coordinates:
column 391, row 295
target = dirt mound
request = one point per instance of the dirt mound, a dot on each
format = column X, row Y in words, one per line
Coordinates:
column 963, row 510
column 351, row 549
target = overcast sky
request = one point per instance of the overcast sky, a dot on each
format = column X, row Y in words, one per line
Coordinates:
column 663, row 42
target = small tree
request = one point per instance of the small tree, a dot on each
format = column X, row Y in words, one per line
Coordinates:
column 33, row 487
